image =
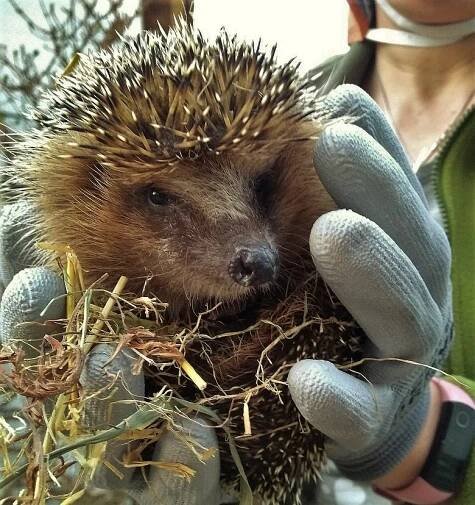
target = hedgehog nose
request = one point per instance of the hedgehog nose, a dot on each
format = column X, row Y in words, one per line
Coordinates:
column 254, row 265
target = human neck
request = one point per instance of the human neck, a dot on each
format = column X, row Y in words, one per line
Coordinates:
column 425, row 70
column 423, row 88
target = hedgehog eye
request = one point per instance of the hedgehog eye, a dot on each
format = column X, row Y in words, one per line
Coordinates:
column 156, row 197
column 263, row 189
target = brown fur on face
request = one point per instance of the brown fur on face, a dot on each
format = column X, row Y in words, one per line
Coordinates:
column 212, row 207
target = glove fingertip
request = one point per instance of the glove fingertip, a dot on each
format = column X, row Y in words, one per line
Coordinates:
column 341, row 100
column 203, row 486
column 112, row 376
column 341, row 406
column 338, row 236
column 306, row 381
column 18, row 236
column 33, row 295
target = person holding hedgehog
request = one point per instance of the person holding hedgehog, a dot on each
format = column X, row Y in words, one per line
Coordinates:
column 383, row 253
column 414, row 58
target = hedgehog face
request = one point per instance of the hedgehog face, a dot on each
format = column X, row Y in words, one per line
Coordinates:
column 208, row 228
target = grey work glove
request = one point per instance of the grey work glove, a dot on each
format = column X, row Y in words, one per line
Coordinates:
column 388, row 262
column 159, row 485
column 26, row 292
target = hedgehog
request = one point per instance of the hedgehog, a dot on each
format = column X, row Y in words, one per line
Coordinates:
column 186, row 165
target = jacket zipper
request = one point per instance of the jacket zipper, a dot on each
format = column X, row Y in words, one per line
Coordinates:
column 439, row 155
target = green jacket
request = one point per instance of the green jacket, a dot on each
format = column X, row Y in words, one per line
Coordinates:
column 454, row 186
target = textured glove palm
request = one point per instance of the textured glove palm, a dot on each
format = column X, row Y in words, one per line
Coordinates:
column 388, row 261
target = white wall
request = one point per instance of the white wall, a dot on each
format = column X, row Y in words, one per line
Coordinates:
column 309, row 29
column 312, row 30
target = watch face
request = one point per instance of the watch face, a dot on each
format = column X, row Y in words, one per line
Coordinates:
column 450, row 452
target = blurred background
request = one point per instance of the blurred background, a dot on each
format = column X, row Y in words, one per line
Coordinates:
column 39, row 37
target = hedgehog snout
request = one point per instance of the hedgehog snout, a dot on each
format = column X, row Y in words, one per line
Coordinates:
column 254, row 265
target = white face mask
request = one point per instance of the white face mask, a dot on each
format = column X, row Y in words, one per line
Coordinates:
column 418, row 34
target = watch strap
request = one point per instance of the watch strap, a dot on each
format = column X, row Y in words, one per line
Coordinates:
column 419, row 491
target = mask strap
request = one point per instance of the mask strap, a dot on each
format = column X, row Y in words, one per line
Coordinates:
column 402, row 38
column 418, row 34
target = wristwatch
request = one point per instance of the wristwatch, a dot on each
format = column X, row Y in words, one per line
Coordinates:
column 449, row 456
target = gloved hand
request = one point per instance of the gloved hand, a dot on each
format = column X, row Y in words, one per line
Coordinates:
column 159, row 486
column 388, row 262
column 26, row 292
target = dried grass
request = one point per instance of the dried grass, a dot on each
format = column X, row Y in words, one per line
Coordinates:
column 237, row 379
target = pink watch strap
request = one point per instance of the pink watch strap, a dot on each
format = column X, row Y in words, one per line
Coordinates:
column 420, row 492
column 451, row 393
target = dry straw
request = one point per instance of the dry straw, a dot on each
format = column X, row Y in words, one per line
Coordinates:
column 235, row 379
